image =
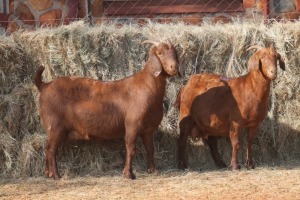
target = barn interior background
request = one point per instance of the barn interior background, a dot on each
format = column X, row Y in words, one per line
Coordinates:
column 102, row 40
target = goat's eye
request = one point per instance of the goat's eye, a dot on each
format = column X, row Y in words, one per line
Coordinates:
column 159, row 53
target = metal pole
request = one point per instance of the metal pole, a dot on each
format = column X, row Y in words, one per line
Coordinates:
column 4, row 6
column 89, row 12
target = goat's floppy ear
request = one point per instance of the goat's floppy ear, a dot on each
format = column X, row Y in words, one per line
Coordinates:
column 155, row 64
column 281, row 62
column 253, row 63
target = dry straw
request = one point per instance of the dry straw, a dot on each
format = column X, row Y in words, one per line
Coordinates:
column 108, row 52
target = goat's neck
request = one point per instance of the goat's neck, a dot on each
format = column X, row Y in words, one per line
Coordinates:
column 157, row 84
column 260, row 84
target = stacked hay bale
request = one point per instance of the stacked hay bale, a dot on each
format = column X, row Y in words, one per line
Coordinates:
column 14, row 97
column 108, row 52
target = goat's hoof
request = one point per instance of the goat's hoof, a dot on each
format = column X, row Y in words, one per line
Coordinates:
column 250, row 166
column 235, row 167
column 47, row 173
column 56, row 177
column 221, row 165
column 151, row 170
column 52, row 175
column 129, row 175
column 182, row 166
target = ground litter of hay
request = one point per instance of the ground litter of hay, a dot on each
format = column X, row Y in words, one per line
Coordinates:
column 261, row 183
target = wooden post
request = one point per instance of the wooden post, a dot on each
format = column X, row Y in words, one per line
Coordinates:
column 73, row 11
column 4, row 14
column 89, row 12
column 266, row 11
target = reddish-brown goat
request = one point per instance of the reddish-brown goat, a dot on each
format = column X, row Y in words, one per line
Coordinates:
column 212, row 106
column 83, row 108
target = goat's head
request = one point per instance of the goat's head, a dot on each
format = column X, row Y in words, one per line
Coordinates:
column 163, row 57
column 265, row 60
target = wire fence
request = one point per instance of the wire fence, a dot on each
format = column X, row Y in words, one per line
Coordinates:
column 30, row 13
column 198, row 11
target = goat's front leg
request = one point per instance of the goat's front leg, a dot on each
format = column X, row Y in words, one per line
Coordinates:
column 251, row 136
column 130, row 143
column 234, row 138
column 147, row 139
column 213, row 146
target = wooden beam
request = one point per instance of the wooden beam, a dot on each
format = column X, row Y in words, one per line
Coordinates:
column 124, row 0
column 3, row 19
column 172, row 9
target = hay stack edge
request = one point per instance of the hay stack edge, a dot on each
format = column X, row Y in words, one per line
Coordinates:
column 108, row 52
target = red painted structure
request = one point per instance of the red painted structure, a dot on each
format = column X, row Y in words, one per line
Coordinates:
column 4, row 14
column 266, row 11
column 113, row 8
column 73, row 11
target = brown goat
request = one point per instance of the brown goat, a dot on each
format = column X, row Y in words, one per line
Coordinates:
column 212, row 106
column 86, row 109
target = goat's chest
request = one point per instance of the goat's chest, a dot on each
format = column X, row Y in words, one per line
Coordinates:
column 154, row 112
column 254, row 111
column 147, row 109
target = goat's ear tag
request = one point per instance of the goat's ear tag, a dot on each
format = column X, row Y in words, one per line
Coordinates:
column 156, row 73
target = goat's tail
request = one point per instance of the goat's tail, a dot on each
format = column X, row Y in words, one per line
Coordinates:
column 177, row 102
column 38, row 77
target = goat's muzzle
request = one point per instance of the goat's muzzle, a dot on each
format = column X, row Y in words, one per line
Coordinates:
column 173, row 70
column 272, row 74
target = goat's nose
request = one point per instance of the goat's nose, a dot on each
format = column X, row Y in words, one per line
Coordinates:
column 174, row 66
column 273, row 71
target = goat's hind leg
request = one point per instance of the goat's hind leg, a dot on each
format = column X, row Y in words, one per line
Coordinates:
column 185, row 126
column 213, row 146
column 54, row 139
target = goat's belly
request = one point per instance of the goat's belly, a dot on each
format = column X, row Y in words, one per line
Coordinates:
column 216, row 132
column 96, row 132
column 98, row 123
column 213, row 130
column 200, row 131
column 196, row 133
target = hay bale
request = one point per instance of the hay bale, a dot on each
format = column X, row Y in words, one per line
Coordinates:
column 108, row 52
column 8, row 151
column 14, row 65
column 31, row 155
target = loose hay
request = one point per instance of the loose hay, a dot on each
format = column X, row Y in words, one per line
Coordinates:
column 109, row 53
